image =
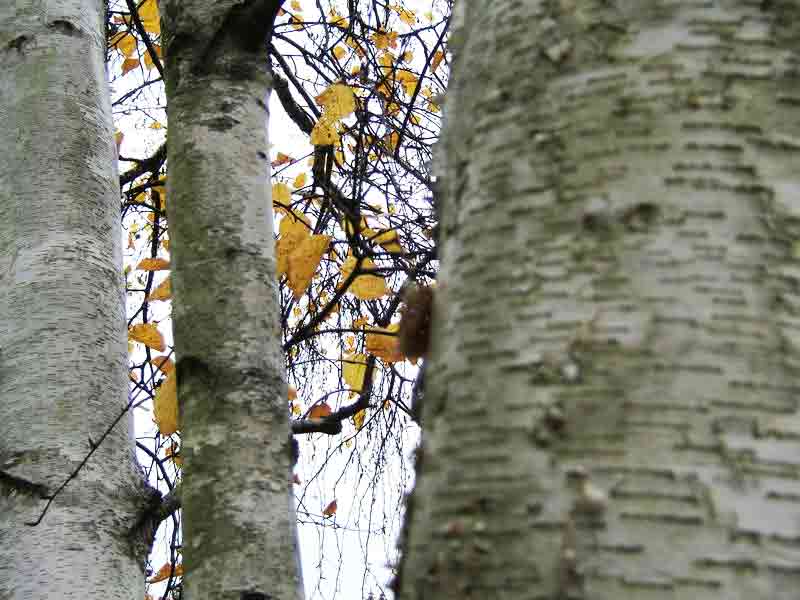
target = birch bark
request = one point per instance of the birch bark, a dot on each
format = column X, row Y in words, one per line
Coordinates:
column 63, row 363
column 238, row 519
column 617, row 309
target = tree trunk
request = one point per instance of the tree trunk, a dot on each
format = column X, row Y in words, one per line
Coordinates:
column 611, row 402
column 238, row 518
column 63, row 376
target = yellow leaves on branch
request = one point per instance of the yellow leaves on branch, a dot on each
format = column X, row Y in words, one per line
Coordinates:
column 165, row 406
column 148, row 334
column 384, row 39
column 368, row 286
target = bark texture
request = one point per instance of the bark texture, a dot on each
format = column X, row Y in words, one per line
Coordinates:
column 612, row 396
column 238, row 518
column 63, row 373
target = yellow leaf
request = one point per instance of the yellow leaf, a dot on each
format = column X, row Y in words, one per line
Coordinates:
column 340, row 53
column 384, row 39
column 153, row 264
column 281, row 159
column 338, row 20
column 407, row 16
column 156, row 125
column 148, row 13
column 303, row 262
column 292, row 393
column 165, row 406
column 163, row 291
column 360, row 322
column 129, row 64
column 296, row 5
column 385, row 347
column 124, row 42
column 300, row 181
column 292, row 234
column 365, row 287
column 391, row 140
column 330, row 509
column 438, row 56
column 354, row 367
column 407, row 56
column 164, row 364
column 281, row 193
column 148, row 60
column 148, row 334
column 163, row 573
column 359, row 417
column 324, row 133
column 338, row 100
column 118, row 137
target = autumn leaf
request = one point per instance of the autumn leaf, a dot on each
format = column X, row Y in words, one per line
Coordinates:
column 153, row 264
column 164, row 363
column 407, row 16
column 292, row 393
column 385, row 347
column 324, row 133
column 118, row 137
column 358, row 418
column 354, row 368
column 281, row 193
column 292, row 234
column 148, row 13
column 148, row 59
column 124, row 42
column 319, row 411
column 438, row 56
column 129, row 64
column 338, row 100
column 163, row 573
column 303, row 262
column 340, row 53
column 281, row 159
column 299, row 181
column 162, row 292
column 165, row 406
column 384, row 39
column 148, row 334
column 296, row 5
column 330, row 509
column 365, row 287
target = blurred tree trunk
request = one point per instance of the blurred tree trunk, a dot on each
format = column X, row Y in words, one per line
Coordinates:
column 238, row 517
column 618, row 308
column 63, row 377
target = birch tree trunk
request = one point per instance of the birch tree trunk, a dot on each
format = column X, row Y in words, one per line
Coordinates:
column 238, row 519
column 63, row 377
column 611, row 401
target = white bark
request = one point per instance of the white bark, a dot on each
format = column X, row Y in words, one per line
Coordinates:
column 62, row 341
column 618, row 294
column 238, row 520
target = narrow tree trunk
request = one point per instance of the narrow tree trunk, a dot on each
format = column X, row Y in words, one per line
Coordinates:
column 63, row 374
column 238, row 521
column 611, row 402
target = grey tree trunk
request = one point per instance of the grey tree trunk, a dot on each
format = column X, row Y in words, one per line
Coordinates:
column 63, row 377
column 238, row 519
column 611, row 402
